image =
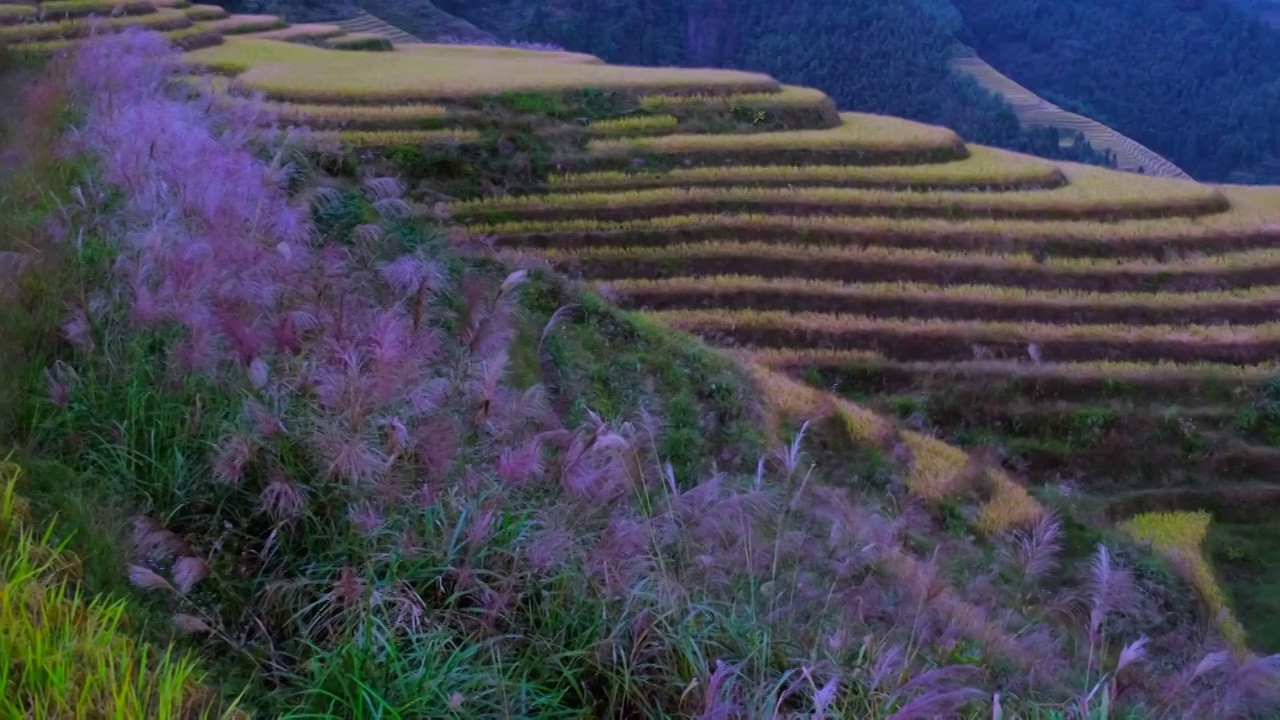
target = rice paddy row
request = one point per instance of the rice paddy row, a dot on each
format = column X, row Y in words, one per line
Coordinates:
column 859, row 139
column 1251, row 222
column 1228, row 271
column 385, row 139
column 986, row 169
column 160, row 19
column 1090, row 195
column 951, row 302
column 926, row 339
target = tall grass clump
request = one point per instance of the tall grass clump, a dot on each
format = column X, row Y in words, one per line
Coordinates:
column 360, row 500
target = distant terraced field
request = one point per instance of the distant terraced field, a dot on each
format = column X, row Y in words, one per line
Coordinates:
column 51, row 27
column 1033, row 110
column 1114, row 331
column 364, row 23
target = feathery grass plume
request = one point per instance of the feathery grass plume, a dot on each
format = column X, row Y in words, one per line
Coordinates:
column 187, row 572
column 1249, row 685
column 790, row 456
column 282, row 500
column 937, row 704
column 147, row 579
column 155, row 542
column 1036, row 549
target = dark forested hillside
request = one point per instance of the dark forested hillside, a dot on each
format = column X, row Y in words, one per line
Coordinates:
column 1267, row 10
column 295, row 10
column 1198, row 82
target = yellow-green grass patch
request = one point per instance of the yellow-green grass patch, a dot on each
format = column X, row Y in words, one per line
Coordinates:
column 985, row 169
column 636, row 125
column 859, row 139
column 937, row 470
column 933, row 339
column 1092, row 195
column 954, row 302
column 1180, row 537
column 161, row 19
column 433, row 72
column 381, row 139
column 239, row 24
column 16, row 14
column 206, row 12
column 309, row 32
column 369, row 42
column 69, row 656
column 65, row 9
column 874, row 264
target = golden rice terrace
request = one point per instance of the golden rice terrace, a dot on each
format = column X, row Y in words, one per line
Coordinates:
column 44, row 28
column 1107, row 332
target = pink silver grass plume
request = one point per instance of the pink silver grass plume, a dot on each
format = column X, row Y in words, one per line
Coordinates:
column 1228, row 684
column 123, row 67
column 1035, row 551
column 1111, row 589
column 213, row 240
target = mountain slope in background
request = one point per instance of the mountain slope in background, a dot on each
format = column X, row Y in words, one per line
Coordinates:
column 883, row 57
column 298, row 11
column 1198, row 82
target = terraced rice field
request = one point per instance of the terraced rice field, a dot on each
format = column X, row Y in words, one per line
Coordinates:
column 1033, row 110
column 1112, row 332
column 42, row 28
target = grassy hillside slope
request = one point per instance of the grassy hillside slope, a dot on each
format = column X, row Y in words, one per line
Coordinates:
column 387, row 455
column 1194, row 81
